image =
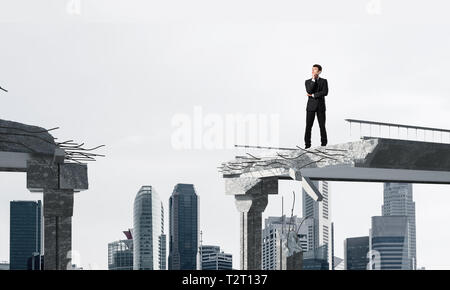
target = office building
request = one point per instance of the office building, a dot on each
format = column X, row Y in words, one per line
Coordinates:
column 319, row 234
column 356, row 252
column 149, row 249
column 25, row 233
column 35, row 262
column 274, row 241
column 213, row 259
column 389, row 245
column 398, row 200
column 120, row 253
column 316, row 259
column 4, row 265
column 184, row 228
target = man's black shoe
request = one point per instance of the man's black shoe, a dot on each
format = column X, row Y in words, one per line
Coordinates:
column 323, row 145
column 307, row 146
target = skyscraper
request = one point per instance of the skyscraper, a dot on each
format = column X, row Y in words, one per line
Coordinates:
column 355, row 253
column 316, row 259
column 398, row 200
column 149, row 249
column 25, row 233
column 4, row 265
column 272, row 238
column 213, row 259
column 184, row 228
column 319, row 231
column 120, row 253
column 389, row 245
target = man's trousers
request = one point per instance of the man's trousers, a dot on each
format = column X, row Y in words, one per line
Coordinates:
column 310, row 116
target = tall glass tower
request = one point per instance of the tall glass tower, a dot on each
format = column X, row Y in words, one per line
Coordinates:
column 25, row 233
column 319, row 231
column 388, row 243
column 149, row 249
column 355, row 253
column 184, row 228
column 398, row 200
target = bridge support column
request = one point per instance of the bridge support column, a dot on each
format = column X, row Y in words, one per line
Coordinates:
column 58, row 182
column 251, row 197
column 58, row 212
column 251, row 207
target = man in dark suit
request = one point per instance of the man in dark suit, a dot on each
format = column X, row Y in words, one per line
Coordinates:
column 316, row 90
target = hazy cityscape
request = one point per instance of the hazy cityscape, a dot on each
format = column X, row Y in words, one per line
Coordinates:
column 389, row 245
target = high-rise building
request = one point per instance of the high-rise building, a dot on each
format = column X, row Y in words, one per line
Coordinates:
column 316, row 259
column 4, row 265
column 213, row 259
column 319, row 234
column 36, row 261
column 184, row 228
column 356, row 252
column 120, row 253
column 149, row 249
column 25, row 233
column 389, row 245
column 273, row 238
column 398, row 200
column 163, row 252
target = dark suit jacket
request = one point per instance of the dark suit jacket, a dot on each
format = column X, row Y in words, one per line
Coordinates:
column 320, row 89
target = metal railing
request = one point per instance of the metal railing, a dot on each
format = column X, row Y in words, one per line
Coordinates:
column 418, row 130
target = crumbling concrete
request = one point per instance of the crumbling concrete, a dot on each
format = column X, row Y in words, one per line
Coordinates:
column 31, row 149
column 252, row 178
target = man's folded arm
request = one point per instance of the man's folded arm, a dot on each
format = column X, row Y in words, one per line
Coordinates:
column 310, row 86
column 322, row 93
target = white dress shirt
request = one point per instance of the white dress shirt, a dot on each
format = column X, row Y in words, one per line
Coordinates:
column 314, row 81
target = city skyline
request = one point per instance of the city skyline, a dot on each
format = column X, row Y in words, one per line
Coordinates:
column 306, row 221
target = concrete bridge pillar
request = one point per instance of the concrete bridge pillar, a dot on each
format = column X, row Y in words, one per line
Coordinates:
column 58, row 212
column 251, row 207
column 251, row 197
column 58, row 182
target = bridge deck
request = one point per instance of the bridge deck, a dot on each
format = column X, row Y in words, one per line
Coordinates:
column 369, row 159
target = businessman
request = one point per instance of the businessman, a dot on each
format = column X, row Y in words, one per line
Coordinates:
column 316, row 90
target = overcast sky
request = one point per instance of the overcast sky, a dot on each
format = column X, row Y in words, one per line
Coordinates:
column 120, row 72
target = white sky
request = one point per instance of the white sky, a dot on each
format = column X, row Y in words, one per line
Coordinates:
column 119, row 71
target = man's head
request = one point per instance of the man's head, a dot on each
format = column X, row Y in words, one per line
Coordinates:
column 316, row 69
